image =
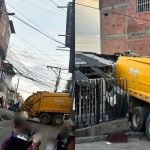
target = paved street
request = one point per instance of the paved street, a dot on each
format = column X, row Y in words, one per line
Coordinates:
column 47, row 131
column 133, row 144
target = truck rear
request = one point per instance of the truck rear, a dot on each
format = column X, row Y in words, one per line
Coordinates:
column 48, row 107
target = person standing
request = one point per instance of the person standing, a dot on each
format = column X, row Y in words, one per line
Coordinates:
column 1, row 101
column 51, row 144
column 63, row 139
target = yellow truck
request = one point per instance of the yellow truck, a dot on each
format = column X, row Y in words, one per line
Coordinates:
column 48, row 107
column 137, row 72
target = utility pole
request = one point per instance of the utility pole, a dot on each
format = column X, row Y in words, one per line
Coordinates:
column 17, row 87
column 58, row 77
column 72, row 49
column 57, row 81
column 17, row 84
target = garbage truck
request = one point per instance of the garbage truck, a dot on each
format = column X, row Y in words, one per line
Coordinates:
column 48, row 107
column 136, row 70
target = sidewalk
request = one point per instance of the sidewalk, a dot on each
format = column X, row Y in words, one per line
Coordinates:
column 133, row 144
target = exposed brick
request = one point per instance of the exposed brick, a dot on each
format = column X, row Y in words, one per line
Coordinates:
column 113, row 25
column 105, row 3
column 110, row 46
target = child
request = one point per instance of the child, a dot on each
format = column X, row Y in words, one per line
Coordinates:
column 51, row 144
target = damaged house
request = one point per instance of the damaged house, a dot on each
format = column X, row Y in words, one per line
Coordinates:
column 98, row 97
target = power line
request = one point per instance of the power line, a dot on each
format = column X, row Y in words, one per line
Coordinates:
column 38, row 30
column 28, row 71
column 23, row 50
column 31, row 73
column 35, row 59
column 57, row 5
column 41, row 8
column 30, row 78
column 25, row 17
column 86, row 6
column 112, row 12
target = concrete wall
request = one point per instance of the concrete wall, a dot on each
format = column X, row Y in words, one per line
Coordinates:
column 120, row 32
column 116, row 126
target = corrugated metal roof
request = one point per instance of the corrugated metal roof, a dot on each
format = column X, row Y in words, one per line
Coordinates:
column 91, row 60
column 79, row 76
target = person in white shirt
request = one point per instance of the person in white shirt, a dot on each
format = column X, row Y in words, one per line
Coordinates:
column 36, row 141
column 51, row 144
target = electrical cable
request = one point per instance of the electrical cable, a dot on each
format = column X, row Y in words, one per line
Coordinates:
column 57, row 5
column 26, row 17
column 39, row 7
column 28, row 44
column 29, row 25
column 36, row 71
column 112, row 12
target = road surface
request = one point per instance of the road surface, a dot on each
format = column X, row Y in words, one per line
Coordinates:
column 47, row 131
column 133, row 144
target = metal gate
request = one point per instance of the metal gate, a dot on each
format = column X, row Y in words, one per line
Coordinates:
column 100, row 100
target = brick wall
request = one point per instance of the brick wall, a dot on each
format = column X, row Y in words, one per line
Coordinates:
column 113, row 24
column 106, row 3
column 139, row 38
column 114, row 28
column 110, row 45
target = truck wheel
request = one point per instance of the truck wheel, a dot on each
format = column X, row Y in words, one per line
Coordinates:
column 45, row 118
column 148, row 128
column 138, row 118
column 58, row 119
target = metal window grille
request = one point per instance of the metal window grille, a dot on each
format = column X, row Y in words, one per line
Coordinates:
column 143, row 6
column 100, row 100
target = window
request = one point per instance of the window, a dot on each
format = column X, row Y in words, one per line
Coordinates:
column 143, row 6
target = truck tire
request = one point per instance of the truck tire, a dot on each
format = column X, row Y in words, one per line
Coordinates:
column 58, row 119
column 148, row 128
column 45, row 118
column 138, row 118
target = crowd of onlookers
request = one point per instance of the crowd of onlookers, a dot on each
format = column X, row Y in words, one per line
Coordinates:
column 24, row 137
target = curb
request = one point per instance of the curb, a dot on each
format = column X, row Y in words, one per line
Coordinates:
column 136, row 134
column 81, row 140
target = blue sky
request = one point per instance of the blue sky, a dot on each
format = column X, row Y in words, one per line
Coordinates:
column 33, row 51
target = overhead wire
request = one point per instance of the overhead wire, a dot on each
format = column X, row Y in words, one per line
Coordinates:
column 36, row 29
column 10, row 5
column 56, row 5
column 36, row 71
column 28, row 44
column 23, row 49
column 27, row 71
column 113, row 12
column 31, row 59
column 39, row 7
